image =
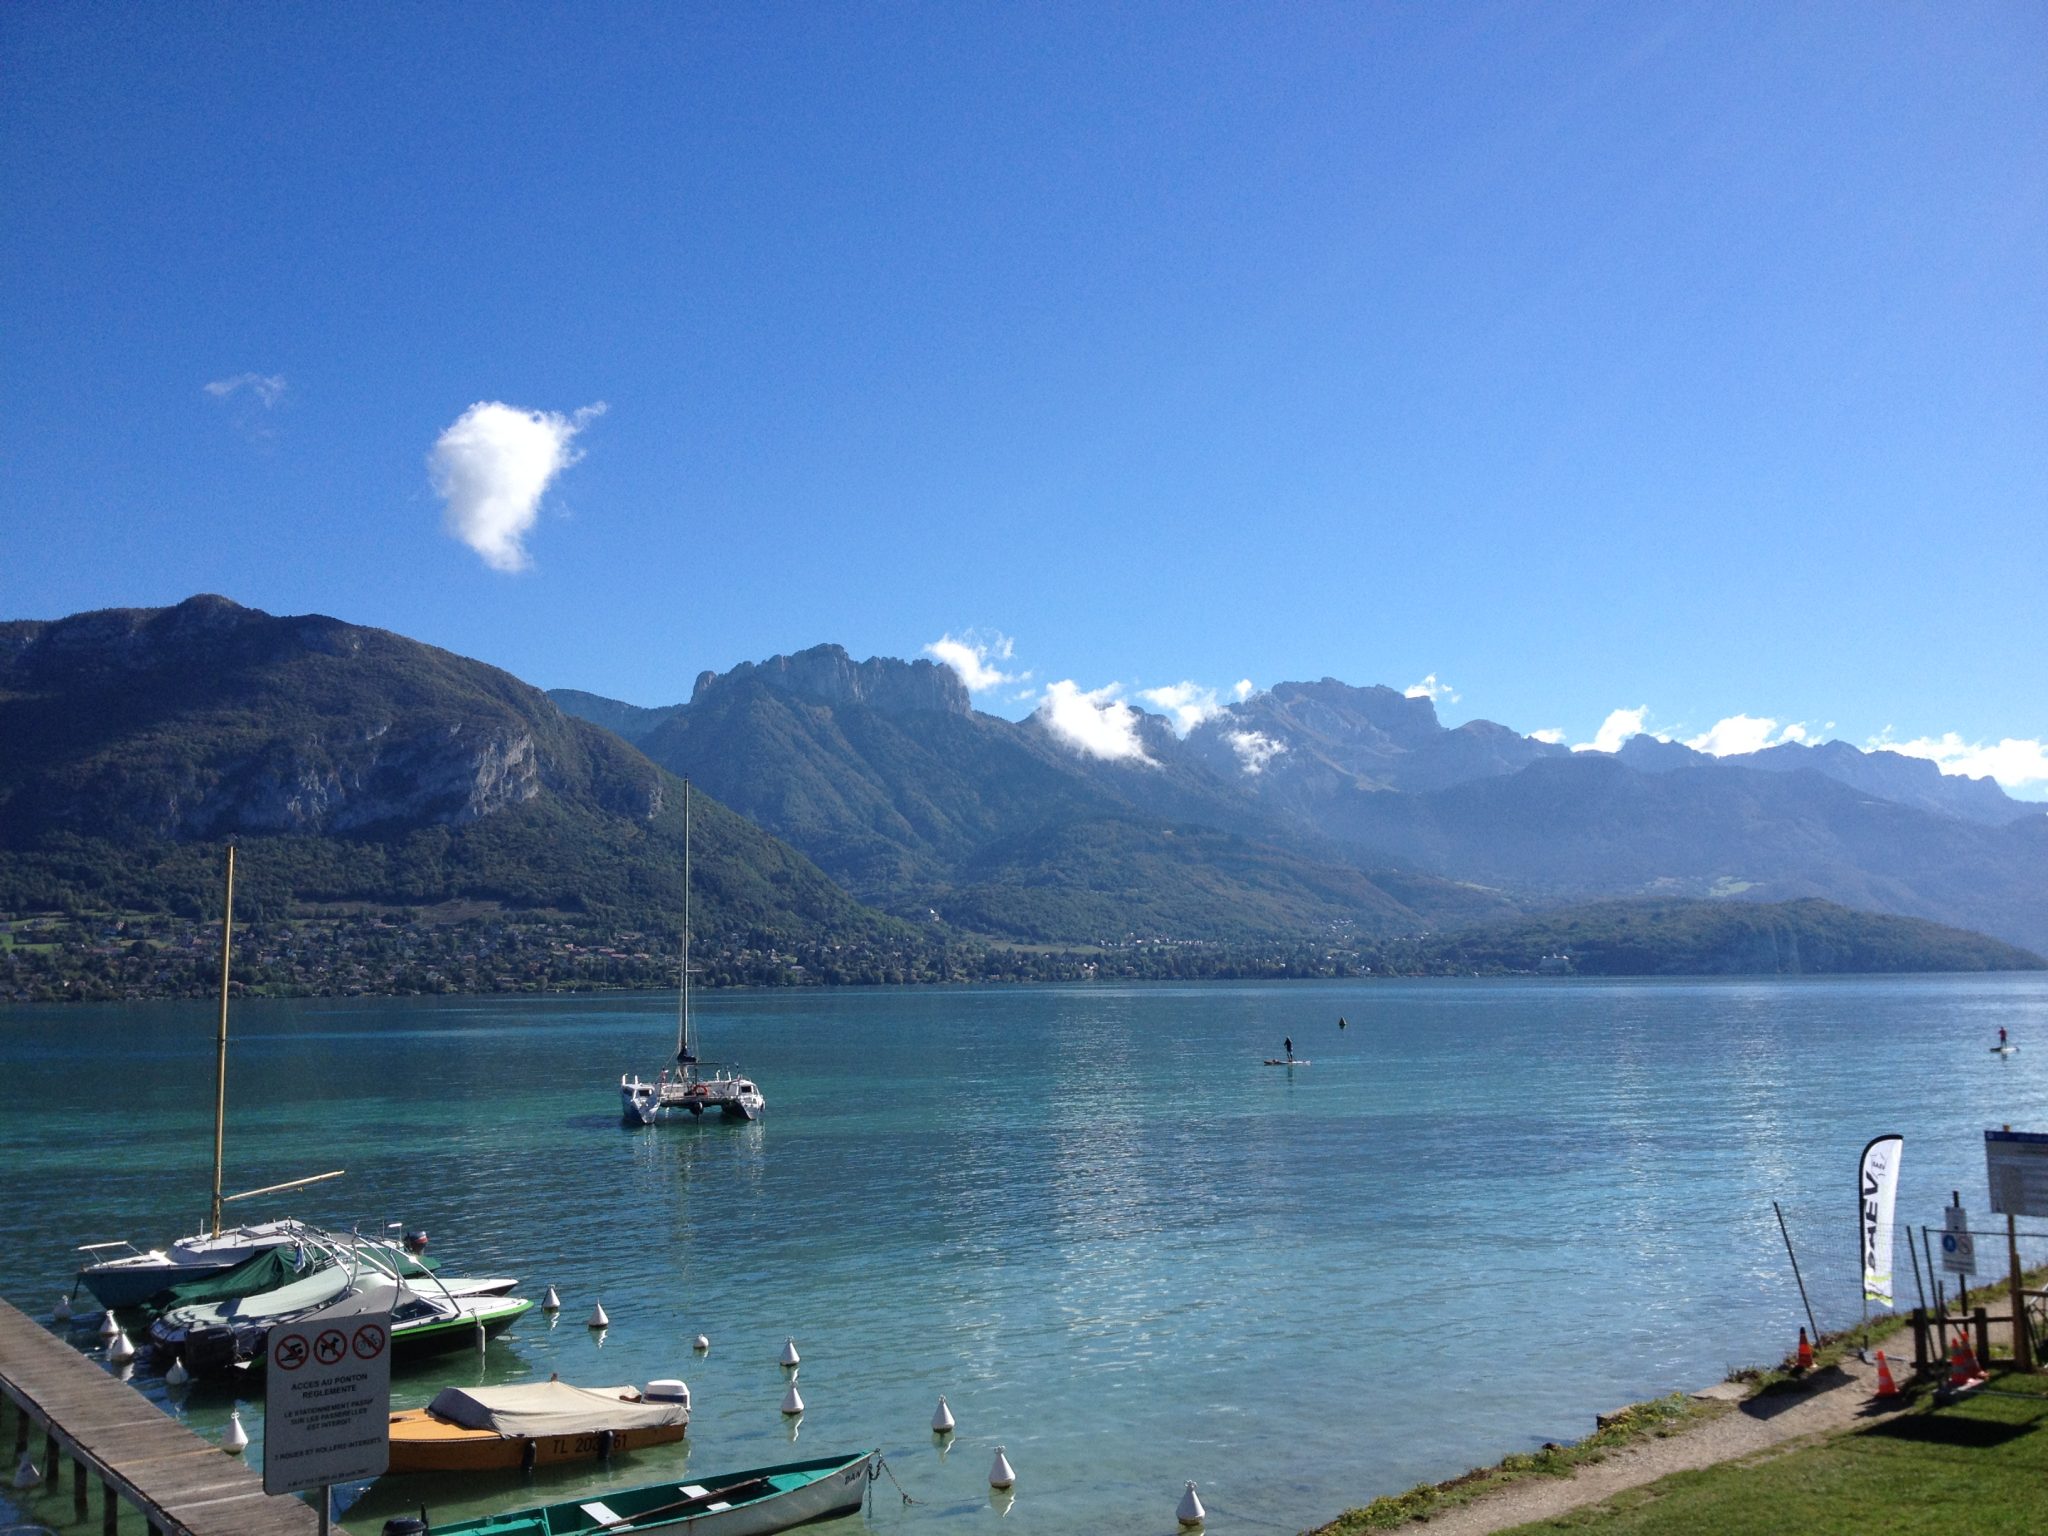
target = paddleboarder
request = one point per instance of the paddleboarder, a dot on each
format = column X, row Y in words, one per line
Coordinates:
column 1288, row 1042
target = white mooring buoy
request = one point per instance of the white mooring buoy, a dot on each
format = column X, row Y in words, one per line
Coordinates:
column 63, row 1312
column 1191, row 1511
column 236, row 1440
column 1000, row 1472
column 27, row 1475
column 792, row 1400
column 702, row 1345
column 942, row 1418
column 789, row 1355
column 598, row 1319
column 551, row 1302
column 120, row 1351
column 177, row 1375
column 108, row 1327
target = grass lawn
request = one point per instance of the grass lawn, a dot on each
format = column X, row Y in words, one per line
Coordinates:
column 1977, row 1465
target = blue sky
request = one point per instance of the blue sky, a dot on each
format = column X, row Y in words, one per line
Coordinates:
column 1584, row 358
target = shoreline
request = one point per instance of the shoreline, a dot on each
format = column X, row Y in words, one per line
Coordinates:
column 1523, row 1487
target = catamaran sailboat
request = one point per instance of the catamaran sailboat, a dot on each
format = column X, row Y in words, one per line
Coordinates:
column 684, row 1091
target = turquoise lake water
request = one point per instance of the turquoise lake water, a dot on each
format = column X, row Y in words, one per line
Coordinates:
column 1122, row 1248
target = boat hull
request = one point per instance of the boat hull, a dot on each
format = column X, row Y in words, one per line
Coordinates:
column 422, row 1443
column 798, row 1493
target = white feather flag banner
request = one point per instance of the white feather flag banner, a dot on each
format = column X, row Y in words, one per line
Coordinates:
column 1877, row 1187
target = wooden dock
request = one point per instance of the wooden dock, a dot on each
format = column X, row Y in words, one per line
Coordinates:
column 180, row 1484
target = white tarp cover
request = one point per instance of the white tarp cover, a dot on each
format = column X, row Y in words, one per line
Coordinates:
column 551, row 1408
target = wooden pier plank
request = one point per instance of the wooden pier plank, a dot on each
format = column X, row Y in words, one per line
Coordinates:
column 183, row 1485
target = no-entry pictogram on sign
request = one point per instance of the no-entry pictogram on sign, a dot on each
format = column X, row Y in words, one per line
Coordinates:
column 327, row 1402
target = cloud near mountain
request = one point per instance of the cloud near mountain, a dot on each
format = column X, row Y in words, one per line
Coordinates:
column 492, row 466
column 1095, row 724
column 976, row 658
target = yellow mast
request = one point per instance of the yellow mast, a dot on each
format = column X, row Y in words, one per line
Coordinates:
column 220, row 1086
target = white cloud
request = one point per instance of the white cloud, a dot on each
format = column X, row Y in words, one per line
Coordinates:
column 1740, row 734
column 493, row 465
column 974, row 657
column 1243, row 690
column 1254, row 749
column 1096, row 724
column 1429, row 688
column 1619, row 725
column 1551, row 736
column 2015, row 762
column 1189, row 704
column 267, row 387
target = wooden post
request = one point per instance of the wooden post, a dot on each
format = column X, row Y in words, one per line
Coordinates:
column 20, row 1431
column 81, row 1506
column 1983, row 1321
column 2022, row 1340
column 1919, row 1338
column 110, row 1512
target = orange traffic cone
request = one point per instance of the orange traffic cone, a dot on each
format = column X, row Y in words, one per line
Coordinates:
column 1962, row 1365
column 1805, row 1352
column 1886, row 1387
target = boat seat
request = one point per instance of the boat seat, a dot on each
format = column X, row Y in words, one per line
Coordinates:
column 601, row 1512
column 712, row 1509
column 693, row 1490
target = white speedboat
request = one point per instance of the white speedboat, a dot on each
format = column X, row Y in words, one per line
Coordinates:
column 682, row 1090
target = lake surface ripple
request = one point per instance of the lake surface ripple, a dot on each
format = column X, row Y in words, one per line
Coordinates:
column 1122, row 1248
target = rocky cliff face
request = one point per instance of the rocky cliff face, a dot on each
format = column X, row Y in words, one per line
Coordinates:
column 826, row 674
column 208, row 719
column 1325, row 739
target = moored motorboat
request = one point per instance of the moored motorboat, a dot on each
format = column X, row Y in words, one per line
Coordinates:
column 754, row 1502
column 428, row 1316
column 502, row 1429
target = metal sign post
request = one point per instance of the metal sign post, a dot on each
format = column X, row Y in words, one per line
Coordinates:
column 2016, row 1162
column 327, row 1404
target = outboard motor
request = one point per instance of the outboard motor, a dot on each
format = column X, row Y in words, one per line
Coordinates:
column 408, row 1525
column 416, row 1241
column 209, row 1351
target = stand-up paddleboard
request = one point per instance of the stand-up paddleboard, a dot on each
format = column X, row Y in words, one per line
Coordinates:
column 2003, row 1050
column 1288, row 1061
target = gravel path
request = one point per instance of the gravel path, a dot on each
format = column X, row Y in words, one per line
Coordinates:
column 1840, row 1397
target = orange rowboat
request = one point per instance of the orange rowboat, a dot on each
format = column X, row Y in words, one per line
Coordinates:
column 506, row 1429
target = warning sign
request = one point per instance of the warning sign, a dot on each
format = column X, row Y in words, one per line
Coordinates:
column 327, row 1402
column 1958, row 1247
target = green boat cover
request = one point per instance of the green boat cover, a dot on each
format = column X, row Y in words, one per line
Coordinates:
column 264, row 1271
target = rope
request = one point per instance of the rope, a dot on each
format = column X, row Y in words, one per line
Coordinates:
column 881, row 1465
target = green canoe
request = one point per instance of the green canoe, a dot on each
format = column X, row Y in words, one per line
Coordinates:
column 749, row 1503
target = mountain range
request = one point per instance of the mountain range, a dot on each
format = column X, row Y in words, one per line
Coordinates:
column 1314, row 803
column 868, row 803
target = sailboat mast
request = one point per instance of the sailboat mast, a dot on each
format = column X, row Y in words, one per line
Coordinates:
column 220, row 1081
column 685, row 1057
